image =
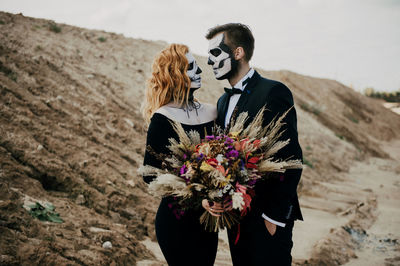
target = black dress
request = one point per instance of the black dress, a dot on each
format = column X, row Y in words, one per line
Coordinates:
column 183, row 241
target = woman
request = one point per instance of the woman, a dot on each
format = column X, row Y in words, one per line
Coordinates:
column 169, row 97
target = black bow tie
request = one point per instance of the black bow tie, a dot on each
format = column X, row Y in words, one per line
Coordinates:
column 232, row 91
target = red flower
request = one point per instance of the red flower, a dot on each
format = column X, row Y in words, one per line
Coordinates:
column 247, row 201
column 251, row 163
column 254, row 160
column 212, row 162
column 246, row 198
column 256, row 143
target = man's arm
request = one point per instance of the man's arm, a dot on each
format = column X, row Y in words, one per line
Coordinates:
column 276, row 205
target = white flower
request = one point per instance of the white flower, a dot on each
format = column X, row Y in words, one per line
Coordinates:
column 237, row 201
column 227, row 187
column 204, row 149
column 220, row 158
column 215, row 194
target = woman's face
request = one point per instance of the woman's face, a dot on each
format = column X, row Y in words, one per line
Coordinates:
column 193, row 72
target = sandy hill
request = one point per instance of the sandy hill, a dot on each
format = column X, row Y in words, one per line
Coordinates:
column 71, row 134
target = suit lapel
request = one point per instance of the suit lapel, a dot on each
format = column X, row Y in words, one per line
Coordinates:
column 244, row 98
column 222, row 109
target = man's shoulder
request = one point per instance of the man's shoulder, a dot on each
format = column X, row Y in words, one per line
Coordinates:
column 273, row 89
column 271, row 83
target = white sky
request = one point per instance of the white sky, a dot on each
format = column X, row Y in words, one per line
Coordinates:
column 354, row 41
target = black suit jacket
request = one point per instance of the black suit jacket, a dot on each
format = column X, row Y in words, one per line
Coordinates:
column 276, row 196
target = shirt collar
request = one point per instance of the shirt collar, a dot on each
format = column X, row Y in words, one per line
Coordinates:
column 240, row 84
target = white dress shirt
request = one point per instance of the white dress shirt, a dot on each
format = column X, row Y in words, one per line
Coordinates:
column 232, row 104
column 235, row 98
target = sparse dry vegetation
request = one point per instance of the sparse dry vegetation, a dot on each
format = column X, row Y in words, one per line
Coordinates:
column 393, row 96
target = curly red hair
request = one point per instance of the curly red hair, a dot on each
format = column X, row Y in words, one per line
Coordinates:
column 169, row 81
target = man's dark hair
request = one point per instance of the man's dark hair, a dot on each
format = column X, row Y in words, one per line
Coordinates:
column 236, row 34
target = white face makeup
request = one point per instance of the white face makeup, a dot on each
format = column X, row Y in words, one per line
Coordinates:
column 219, row 57
column 193, row 72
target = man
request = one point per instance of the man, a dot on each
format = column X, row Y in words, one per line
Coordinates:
column 265, row 234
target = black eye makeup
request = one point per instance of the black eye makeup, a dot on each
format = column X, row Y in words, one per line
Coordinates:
column 198, row 70
column 215, row 52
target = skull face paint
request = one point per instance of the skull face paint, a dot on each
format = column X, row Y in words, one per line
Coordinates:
column 221, row 58
column 193, row 72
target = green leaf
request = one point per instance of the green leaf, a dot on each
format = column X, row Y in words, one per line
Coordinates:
column 50, row 207
column 45, row 213
column 54, row 217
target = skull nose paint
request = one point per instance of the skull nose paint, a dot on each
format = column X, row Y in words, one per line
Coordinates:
column 198, row 70
column 210, row 62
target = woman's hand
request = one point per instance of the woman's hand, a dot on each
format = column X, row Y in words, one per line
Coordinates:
column 216, row 208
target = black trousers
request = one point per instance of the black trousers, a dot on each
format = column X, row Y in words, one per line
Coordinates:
column 256, row 246
column 184, row 241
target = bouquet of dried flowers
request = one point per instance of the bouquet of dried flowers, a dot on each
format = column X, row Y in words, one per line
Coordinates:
column 223, row 167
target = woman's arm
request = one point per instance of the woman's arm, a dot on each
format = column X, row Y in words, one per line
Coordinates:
column 158, row 133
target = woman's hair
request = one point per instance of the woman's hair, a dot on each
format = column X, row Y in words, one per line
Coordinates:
column 169, row 81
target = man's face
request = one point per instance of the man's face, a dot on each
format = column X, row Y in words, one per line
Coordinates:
column 220, row 57
column 193, row 72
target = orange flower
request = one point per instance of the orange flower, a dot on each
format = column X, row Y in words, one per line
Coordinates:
column 212, row 162
column 237, row 145
column 222, row 170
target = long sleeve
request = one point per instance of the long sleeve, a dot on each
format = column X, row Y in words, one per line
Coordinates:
column 158, row 134
column 277, row 204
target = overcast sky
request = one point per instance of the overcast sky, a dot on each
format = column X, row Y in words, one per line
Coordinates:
column 354, row 41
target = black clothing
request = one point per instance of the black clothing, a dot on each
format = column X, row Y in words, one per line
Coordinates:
column 183, row 241
column 275, row 197
column 233, row 91
column 256, row 246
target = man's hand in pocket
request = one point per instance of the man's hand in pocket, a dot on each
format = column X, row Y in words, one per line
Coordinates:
column 270, row 227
